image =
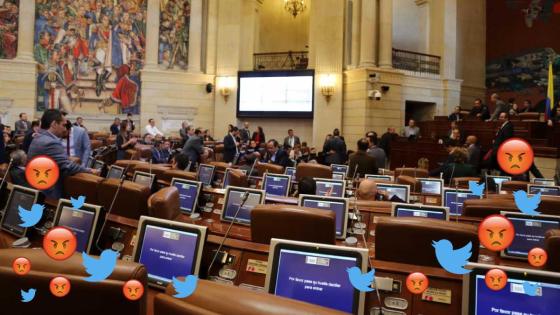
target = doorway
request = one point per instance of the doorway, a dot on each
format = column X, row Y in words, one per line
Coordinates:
column 419, row 111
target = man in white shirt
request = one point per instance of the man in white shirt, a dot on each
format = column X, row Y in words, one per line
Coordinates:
column 291, row 140
column 411, row 130
column 152, row 129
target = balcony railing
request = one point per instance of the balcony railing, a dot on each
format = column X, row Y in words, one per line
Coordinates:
column 415, row 62
column 291, row 60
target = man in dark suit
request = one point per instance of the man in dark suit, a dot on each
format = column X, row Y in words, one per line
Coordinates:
column 473, row 150
column 245, row 133
column 17, row 172
column 479, row 110
column 291, row 140
column 335, row 149
column 231, row 147
column 194, row 148
column 362, row 162
column 505, row 132
column 386, row 138
column 22, row 125
column 275, row 155
column 32, row 133
column 456, row 115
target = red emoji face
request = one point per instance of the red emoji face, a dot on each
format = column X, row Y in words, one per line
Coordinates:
column 416, row 283
column 496, row 232
column 42, row 172
column 59, row 286
column 515, row 156
column 133, row 290
column 59, row 243
column 21, row 266
column 496, row 279
column 537, row 257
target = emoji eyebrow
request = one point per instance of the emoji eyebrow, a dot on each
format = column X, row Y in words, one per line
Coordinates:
column 502, row 230
column 47, row 172
column 510, row 155
column 522, row 154
column 55, row 243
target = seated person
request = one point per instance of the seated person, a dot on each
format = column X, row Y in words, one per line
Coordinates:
column 454, row 139
column 456, row 115
column 368, row 191
column 206, row 135
column 307, row 186
column 31, row 133
column 411, row 131
column 360, row 162
column 17, row 172
column 556, row 118
column 180, row 161
column 458, row 166
column 116, row 126
column 161, row 152
column 479, row 110
column 148, row 139
column 276, row 155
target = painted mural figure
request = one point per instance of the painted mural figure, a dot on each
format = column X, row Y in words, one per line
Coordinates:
column 174, row 33
column 8, row 28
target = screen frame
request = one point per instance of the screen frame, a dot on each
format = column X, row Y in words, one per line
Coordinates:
column 152, row 177
column 420, row 207
column 529, row 186
column 543, row 181
column 330, row 180
column 184, row 227
column 25, row 190
column 98, row 165
column 443, row 198
column 188, row 182
column 398, row 186
column 361, row 255
column 346, row 202
column 200, row 166
column 509, row 214
column 223, row 218
column 507, row 178
column 379, row 177
column 431, row 180
column 85, row 207
column 288, row 187
column 115, row 167
column 340, row 165
column 294, row 175
column 275, row 114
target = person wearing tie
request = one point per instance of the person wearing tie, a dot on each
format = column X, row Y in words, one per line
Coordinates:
column 291, row 140
column 231, row 147
column 77, row 143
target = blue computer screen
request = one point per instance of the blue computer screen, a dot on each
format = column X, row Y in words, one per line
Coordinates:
column 340, row 168
column 400, row 192
column 80, row 222
column 431, row 187
column 545, row 190
column 291, row 171
column 205, row 175
column 276, row 185
column 529, row 233
column 233, row 203
column 454, row 201
column 339, row 208
column 328, row 188
column 187, row 195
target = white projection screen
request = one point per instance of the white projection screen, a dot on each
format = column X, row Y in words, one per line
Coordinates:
column 272, row 94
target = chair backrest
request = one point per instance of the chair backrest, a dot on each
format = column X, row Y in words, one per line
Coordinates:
column 415, row 185
column 271, row 168
column 514, row 185
column 83, row 295
column 529, row 116
column 83, row 184
column 411, row 171
column 484, row 207
column 219, row 152
column 219, row 166
column 157, row 169
column 238, row 178
column 463, row 182
column 292, row 223
column 129, row 165
column 552, row 248
column 164, row 204
column 212, row 298
column 144, row 151
column 314, row 170
column 169, row 174
column 96, row 144
column 132, row 201
column 409, row 240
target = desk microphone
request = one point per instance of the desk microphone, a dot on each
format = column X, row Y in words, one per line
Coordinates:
column 253, row 167
column 118, row 230
column 6, row 173
column 244, row 198
column 188, row 168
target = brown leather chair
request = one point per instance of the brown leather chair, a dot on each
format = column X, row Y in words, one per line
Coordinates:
column 463, row 182
column 514, row 185
column 102, row 136
column 164, row 204
column 219, row 152
column 129, row 165
column 132, row 201
column 530, row 116
column 84, row 297
column 292, row 223
column 96, row 144
column 552, row 248
column 412, row 182
column 83, row 184
column 409, row 240
column 314, row 170
column 238, row 178
column 495, row 203
column 219, row 166
column 271, row 168
column 144, row 151
column 157, row 169
column 169, row 174
column 410, row 171
column 212, row 298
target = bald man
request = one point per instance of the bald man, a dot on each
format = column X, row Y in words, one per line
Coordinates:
column 368, row 191
column 474, row 151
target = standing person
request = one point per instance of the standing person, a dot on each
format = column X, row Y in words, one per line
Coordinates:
column 130, row 122
column 361, row 161
column 116, row 126
column 124, row 140
column 183, row 132
column 194, row 148
column 22, row 125
column 335, row 149
column 231, row 146
column 77, row 143
column 505, row 132
column 245, row 133
column 473, row 149
column 32, row 133
column 80, row 123
column 501, row 107
column 386, row 138
column 258, row 136
column 291, row 140
column 376, row 152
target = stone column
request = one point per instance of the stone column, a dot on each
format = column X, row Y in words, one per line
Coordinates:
column 195, row 36
column 368, row 33
column 386, row 34
column 152, row 35
column 355, row 48
column 26, row 30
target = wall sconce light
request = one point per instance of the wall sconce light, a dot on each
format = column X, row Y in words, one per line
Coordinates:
column 226, row 85
column 327, row 83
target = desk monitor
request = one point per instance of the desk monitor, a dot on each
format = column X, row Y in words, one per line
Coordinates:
column 545, row 190
column 316, row 273
column 498, row 180
column 98, row 165
column 330, row 187
column 291, row 171
column 338, row 175
column 232, row 201
column 168, row 249
column 543, row 181
column 401, row 191
column 338, row 205
column 90, row 162
column 19, row 196
column 380, row 177
column 431, row 186
column 115, row 172
column 527, row 291
column 455, row 198
column 143, row 178
column 225, row 182
column 205, row 174
column 276, row 184
column 529, row 232
column 340, row 168
column 82, row 222
column 420, row 211
column 189, row 191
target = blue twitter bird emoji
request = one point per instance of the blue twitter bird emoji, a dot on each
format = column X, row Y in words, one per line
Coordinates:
column 28, row 296
column 100, row 269
column 361, row 282
column 185, row 288
column 77, row 203
column 30, row 217
column 476, row 189
column 530, row 288
column 525, row 204
column 451, row 260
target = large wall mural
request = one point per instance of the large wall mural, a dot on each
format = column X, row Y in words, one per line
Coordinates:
column 89, row 55
column 521, row 41
column 8, row 28
column 174, row 33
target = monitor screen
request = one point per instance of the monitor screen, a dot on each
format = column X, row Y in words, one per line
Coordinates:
column 454, row 199
column 379, row 177
column 498, row 180
column 233, row 198
column 431, row 186
column 81, row 222
column 338, row 175
column 407, row 210
column 98, row 165
column 205, row 174
column 188, row 193
column 338, row 205
column 19, row 196
column 401, row 191
column 143, row 179
column 529, row 232
column 291, row 171
column 168, row 249
column 339, row 168
column 276, row 184
column 227, row 177
column 330, row 188
column 544, row 181
column 90, row 162
column 545, row 190
column 315, row 273
column 115, row 172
